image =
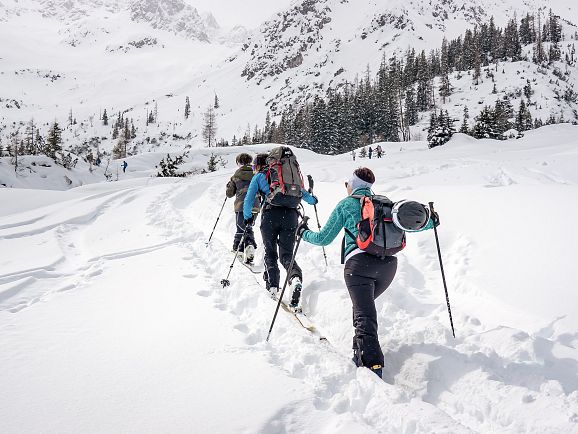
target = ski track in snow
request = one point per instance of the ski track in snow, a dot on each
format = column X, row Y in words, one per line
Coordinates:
column 432, row 383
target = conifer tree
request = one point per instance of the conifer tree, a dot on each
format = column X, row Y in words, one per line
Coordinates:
column 465, row 129
column 54, row 140
column 523, row 117
column 442, row 129
column 104, row 118
column 410, row 107
column 187, row 108
column 485, row 126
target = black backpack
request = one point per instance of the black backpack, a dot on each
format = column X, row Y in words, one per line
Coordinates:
column 284, row 177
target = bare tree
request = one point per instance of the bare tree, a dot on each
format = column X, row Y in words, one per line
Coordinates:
column 210, row 126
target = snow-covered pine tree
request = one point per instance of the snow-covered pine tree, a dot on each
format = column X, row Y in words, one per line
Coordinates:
column 445, row 89
column 526, row 31
column 485, row 126
column 30, row 143
column 187, row 107
column 441, row 129
column 503, row 111
column 54, row 140
column 267, row 130
column 411, row 115
column 423, row 97
column 523, row 117
column 104, row 117
column 318, row 125
column 169, row 167
column 465, row 129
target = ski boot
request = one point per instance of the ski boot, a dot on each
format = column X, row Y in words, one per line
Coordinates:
column 295, row 303
column 249, row 254
column 274, row 291
column 377, row 370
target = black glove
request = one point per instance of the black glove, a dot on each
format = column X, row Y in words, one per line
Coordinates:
column 249, row 221
column 435, row 218
column 301, row 228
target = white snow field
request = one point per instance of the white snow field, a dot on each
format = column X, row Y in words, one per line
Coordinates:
column 113, row 320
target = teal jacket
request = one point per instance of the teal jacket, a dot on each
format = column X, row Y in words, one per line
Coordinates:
column 345, row 215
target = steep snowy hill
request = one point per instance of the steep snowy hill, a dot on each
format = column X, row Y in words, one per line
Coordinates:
column 112, row 318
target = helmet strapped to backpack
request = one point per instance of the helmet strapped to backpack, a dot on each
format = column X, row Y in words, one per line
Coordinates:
column 410, row 216
column 284, row 177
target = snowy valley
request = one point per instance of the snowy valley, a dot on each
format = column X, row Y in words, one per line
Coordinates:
column 113, row 318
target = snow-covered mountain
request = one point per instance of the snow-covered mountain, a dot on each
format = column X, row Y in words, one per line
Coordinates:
column 174, row 16
column 86, row 56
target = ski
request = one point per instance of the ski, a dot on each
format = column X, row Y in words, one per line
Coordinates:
column 254, row 268
column 301, row 319
column 304, row 321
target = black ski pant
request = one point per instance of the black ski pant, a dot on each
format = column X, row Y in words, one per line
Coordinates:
column 249, row 237
column 278, row 226
column 367, row 277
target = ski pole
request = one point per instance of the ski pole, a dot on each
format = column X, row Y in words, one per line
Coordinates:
column 286, row 280
column 443, row 274
column 225, row 282
column 310, row 180
column 218, row 217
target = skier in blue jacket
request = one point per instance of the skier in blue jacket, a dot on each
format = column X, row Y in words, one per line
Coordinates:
column 278, row 226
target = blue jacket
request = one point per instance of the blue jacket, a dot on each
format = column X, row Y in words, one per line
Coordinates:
column 259, row 184
column 345, row 215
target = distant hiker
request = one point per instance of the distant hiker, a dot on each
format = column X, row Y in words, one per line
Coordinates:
column 379, row 151
column 370, row 152
column 278, row 179
column 124, row 166
column 369, row 264
column 237, row 187
column 98, row 161
column 353, row 154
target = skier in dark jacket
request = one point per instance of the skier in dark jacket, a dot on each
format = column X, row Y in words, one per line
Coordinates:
column 278, row 226
column 237, row 187
column 366, row 276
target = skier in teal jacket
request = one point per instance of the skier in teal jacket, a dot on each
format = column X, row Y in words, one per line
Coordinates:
column 366, row 276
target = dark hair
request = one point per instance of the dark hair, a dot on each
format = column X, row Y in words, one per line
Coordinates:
column 244, row 159
column 260, row 160
column 365, row 174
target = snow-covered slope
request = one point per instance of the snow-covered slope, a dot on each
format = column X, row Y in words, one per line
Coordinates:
column 112, row 318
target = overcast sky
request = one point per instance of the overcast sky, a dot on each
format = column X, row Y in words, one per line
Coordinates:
column 249, row 13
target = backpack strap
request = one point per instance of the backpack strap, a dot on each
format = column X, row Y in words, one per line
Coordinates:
column 348, row 232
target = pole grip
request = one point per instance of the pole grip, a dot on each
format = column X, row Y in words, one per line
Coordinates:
column 311, row 183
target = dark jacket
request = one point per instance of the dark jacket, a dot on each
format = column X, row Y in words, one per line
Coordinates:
column 238, row 186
